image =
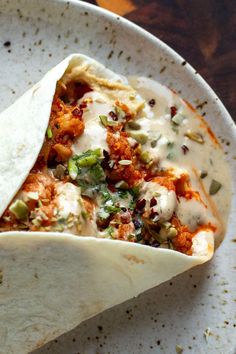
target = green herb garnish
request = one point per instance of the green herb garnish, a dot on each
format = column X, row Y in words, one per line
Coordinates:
column 135, row 191
column 123, row 194
column 87, row 161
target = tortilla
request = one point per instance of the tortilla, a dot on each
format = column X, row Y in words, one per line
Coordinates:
column 49, row 281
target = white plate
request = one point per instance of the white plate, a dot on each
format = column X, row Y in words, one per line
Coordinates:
column 42, row 33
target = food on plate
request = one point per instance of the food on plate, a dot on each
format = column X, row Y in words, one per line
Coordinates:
column 118, row 179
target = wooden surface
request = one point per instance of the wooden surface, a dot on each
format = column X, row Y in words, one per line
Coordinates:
column 202, row 31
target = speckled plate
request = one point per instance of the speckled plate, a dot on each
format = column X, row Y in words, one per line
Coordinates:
column 197, row 310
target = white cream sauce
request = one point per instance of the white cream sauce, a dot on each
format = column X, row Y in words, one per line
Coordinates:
column 68, row 199
column 165, row 200
column 201, row 214
column 95, row 133
column 156, row 122
column 203, row 244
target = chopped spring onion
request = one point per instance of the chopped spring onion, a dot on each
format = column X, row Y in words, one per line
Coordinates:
column 19, row 209
column 140, row 137
column 104, row 120
column 87, row 161
column 73, row 169
column 145, row 157
column 178, row 119
column 49, row 133
column 172, row 232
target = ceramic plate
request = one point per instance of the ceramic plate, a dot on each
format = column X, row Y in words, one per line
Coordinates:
column 197, row 310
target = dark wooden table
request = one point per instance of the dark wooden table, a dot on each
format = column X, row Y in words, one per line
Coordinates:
column 202, row 31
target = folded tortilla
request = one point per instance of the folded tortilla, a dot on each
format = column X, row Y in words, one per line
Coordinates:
column 50, row 281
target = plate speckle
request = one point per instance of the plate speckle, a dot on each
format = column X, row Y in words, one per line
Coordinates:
column 196, row 311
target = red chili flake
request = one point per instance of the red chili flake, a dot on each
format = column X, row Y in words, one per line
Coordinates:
column 111, row 188
column 140, row 205
column 74, row 103
column 77, row 112
column 152, row 102
column 106, row 160
column 83, row 105
column 185, row 149
column 153, row 202
column 113, row 115
column 173, row 111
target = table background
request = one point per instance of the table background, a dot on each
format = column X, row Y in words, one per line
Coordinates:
column 202, row 31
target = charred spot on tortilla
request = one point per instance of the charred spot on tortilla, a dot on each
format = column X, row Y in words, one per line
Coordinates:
column 132, row 258
column 119, row 162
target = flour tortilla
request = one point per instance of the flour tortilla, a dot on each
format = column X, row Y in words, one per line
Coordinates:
column 51, row 282
column 23, row 125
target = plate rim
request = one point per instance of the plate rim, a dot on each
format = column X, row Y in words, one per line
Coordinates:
column 155, row 40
